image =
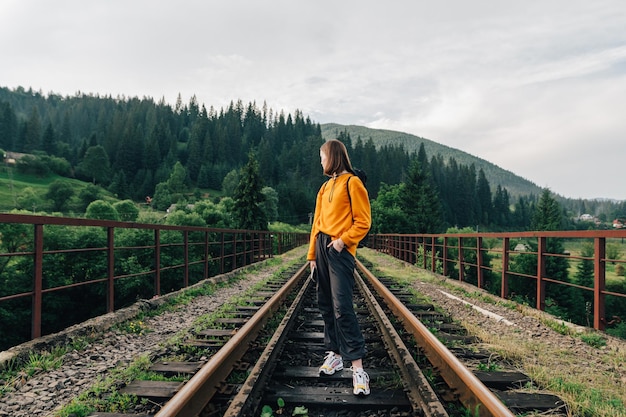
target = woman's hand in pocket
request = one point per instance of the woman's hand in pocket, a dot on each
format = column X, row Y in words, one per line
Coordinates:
column 338, row 244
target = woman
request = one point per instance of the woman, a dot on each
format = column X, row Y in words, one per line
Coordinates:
column 342, row 218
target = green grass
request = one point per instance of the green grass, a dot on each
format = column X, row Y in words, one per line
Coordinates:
column 13, row 184
column 37, row 362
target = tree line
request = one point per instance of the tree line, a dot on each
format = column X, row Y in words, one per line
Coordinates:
column 137, row 148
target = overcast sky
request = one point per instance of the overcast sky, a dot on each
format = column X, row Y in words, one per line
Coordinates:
column 536, row 87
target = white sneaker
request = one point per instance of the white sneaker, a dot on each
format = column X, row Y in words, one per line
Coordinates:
column 361, row 382
column 332, row 364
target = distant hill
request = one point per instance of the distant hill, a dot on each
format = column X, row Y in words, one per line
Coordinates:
column 514, row 184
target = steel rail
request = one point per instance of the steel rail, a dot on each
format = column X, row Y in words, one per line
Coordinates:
column 422, row 397
column 250, row 392
column 472, row 392
column 195, row 395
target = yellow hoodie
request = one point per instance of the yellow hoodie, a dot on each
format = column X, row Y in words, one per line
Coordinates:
column 335, row 216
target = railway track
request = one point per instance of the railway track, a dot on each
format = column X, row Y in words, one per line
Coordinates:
column 263, row 358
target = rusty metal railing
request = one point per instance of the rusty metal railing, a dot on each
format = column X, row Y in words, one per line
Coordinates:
column 100, row 271
column 463, row 255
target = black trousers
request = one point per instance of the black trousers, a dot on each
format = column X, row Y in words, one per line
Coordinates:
column 335, row 287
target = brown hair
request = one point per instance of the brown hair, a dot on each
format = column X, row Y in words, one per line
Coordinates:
column 337, row 157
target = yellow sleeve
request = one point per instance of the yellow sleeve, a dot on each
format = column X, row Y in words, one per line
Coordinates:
column 314, row 224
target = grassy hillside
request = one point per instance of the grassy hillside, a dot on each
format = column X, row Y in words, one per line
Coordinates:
column 514, row 184
column 12, row 185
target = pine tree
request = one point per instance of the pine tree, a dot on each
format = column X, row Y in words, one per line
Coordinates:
column 196, row 146
column 48, row 141
column 176, row 181
column 501, row 211
column 420, row 202
column 248, row 196
column 32, row 132
column 8, row 127
column 521, row 216
column 483, row 195
column 95, row 165
column 548, row 215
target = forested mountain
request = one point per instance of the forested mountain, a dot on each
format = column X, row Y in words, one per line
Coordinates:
column 136, row 148
column 516, row 185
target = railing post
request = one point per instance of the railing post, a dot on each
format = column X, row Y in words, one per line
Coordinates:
column 252, row 244
column 445, row 256
column 394, row 249
column 110, row 269
column 222, row 253
column 398, row 247
column 234, row 251
column 206, row 255
column 408, row 247
column 433, row 258
column 157, row 262
column 599, row 266
column 253, row 241
column 261, row 238
column 479, row 262
column 270, row 244
column 541, row 273
column 461, row 261
column 245, row 248
column 186, row 257
column 504, row 285
column 37, row 282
